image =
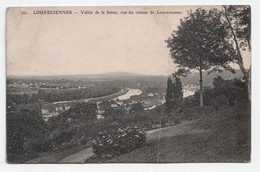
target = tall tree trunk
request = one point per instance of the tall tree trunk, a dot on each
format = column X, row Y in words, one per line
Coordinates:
column 201, row 89
column 40, row 109
column 247, row 74
column 249, row 84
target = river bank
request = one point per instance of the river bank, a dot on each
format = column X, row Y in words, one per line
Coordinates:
column 52, row 109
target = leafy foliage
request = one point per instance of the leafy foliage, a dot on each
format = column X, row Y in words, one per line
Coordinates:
column 25, row 130
column 234, row 90
column 174, row 94
column 137, row 108
column 110, row 144
column 225, row 93
column 82, row 112
column 240, row 18
column 200, row 41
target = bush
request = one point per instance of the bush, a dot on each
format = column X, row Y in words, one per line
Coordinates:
column 63, row 136
column 224, row 94
column 220, row 102
column 25, row 128
column 235, row 90
column 164, row 121
column 177, row 121
column 110, row 144
column 189, row 113
column 206, row 110
column 83, row 140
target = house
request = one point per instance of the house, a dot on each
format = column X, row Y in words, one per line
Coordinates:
column 150, row 94
column 114, row 105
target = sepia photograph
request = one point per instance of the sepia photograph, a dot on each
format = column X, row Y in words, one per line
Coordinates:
column 128, row 84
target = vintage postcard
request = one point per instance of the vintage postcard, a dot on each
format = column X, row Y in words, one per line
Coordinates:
column 124, row 84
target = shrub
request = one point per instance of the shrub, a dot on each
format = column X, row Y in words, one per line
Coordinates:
column 220, row 102
column 25, row 128
column 110, row 144
column 177, row 121
column 164, row 121
column 189, row 113
column 234, row 90
column 206, row 110
column 44, row 146
column 83, row 140
column 63, row 136
column 137, row 108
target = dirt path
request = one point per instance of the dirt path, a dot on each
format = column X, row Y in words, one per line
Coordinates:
column 178, row 129
column 78, row 157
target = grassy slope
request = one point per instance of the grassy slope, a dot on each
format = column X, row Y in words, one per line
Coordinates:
column 225, row 138
column 57, row 157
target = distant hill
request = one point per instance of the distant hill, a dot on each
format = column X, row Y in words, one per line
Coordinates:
column 119, row 74
column 82, row 76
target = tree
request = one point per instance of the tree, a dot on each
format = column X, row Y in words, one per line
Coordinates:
column 24, row 130
column 137, row 108
column 238, row 21
column 169, row 95
column 174, row 94
column 200, row 43
column 82, row 112
column 178, row 94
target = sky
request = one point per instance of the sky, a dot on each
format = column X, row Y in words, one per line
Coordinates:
column 90, row 43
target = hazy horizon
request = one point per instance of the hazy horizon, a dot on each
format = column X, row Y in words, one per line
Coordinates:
column 118, row 72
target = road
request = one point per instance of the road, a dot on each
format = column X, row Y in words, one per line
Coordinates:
column 78, row 157
column 174, row 130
